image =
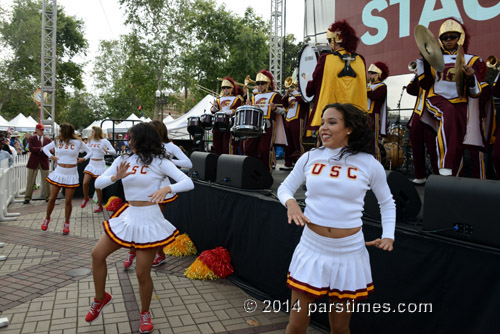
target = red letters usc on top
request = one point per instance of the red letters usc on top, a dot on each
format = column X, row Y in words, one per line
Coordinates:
column 335, row 171
column 386, row 27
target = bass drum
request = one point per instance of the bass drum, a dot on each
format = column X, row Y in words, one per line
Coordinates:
column 394, row 156
column 308, row 59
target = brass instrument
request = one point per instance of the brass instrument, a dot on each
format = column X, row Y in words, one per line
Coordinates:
column 492, row 62
column 288, row 82
column 206, row 90
column 429, row 47
column 412, row 66
column 249, row 81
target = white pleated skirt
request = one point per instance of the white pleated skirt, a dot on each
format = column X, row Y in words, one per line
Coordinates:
column 95, row 168
column 140, row 227
column 169, row 198
column 337, row 268
column 64, row 177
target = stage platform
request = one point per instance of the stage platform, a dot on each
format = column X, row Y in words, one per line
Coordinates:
column 428, row 284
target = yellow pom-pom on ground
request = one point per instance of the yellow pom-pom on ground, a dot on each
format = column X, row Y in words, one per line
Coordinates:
column 182, row 246
column 198, row 270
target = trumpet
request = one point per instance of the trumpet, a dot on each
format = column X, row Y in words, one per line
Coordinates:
column 288, row 82
column 492, row 62
column 412, row 66
column 249, row 81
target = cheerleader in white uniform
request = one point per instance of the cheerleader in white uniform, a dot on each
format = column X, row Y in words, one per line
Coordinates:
column 331, row 258
column 66, row 148
column 140, row 223
column 99, row 147
column 180, row 160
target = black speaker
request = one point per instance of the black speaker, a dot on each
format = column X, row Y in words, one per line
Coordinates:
column 204, row 166
column 408, row 202
column 463, row 208
column 243, row 172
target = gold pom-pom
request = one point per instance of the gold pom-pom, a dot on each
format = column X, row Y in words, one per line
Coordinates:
column 182, row 246
column 198, row 270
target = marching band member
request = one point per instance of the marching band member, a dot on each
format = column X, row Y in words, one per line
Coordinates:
column 267, row 100
column 229, row 100
column 339, row 77
column 377, row 102
column 421, row 134
column 66, row 147
column 140, row 223
column 481, row 119
column 443, row 100
column 297, row 111
column 99, row 146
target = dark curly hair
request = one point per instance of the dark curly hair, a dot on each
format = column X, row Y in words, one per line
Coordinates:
column 162, row 130
column 146, row 142
column 361, row 138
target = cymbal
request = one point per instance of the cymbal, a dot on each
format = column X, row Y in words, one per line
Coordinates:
column 459, row 72
column 429, row 47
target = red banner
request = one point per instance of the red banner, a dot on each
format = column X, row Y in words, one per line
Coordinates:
column 386, row 27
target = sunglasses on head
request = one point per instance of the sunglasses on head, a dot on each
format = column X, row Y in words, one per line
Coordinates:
column 449, row 37
column 261, row 83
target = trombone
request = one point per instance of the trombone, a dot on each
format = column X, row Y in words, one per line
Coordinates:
column 206, row 90
column 246, row 84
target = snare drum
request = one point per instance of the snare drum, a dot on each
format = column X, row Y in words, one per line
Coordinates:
column 248, row 122
column 206, row 121
column 221, row 121
column 194, row 125
column 308, row 59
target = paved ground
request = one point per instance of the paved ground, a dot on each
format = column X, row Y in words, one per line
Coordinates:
column 46, row 285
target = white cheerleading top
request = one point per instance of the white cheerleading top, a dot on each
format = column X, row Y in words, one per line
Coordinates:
column 336, row 189
column 146, row 179
column 67, row 153
column 97, row 148
column 179, row 158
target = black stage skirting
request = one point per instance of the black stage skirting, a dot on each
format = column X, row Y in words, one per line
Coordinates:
column 461, row 281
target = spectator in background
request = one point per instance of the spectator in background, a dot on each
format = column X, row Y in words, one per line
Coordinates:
column 85, row 139
column 37, row 160
column 4, row 154
column 15, row 139
column 26, row 139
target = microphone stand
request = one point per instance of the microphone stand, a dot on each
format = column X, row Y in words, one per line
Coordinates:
column 398, row 122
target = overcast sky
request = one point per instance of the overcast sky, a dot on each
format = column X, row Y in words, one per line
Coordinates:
column 104, row 21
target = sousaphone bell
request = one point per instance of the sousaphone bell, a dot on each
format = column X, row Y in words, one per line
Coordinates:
column 429, row 47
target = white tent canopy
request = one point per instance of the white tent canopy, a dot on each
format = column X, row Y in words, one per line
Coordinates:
column 168, row 119
column 4, row 125
column 22, row 124
column 32, row 121
column 178, row 128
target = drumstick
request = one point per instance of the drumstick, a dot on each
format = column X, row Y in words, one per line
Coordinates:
column 266, row 104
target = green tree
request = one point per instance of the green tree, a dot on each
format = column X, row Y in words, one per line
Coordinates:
column 20, row 34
